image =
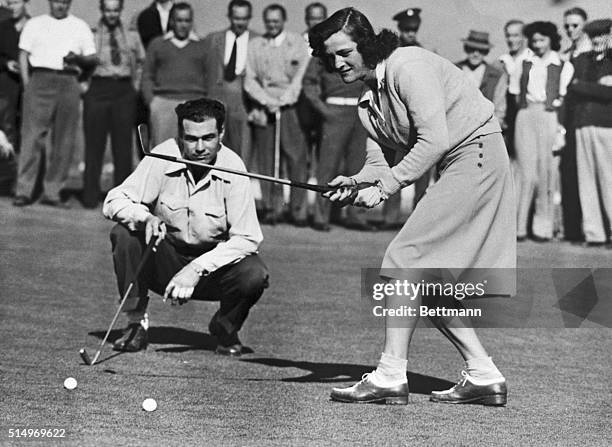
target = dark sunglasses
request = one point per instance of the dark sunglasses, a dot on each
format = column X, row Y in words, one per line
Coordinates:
column 570, row 25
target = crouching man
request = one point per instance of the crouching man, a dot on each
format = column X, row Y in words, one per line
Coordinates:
column 204, row 224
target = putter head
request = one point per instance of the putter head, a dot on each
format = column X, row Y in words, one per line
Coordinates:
column 143, row 138
column 85, row 356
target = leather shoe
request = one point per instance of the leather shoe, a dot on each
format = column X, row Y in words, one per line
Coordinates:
column 228, row 343
column 135, row 338
column 359, row 226
column 366, row 391
column 22, row 201
column 56, row 203
column 466, row 391
column 320, row 226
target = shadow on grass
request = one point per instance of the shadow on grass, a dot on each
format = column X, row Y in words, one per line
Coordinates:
column 347, row 372
column 164, row 335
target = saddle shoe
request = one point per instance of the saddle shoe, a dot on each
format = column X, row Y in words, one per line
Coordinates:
column 471, row 391
column 365, row 392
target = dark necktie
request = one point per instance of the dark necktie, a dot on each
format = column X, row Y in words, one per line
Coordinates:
column 230, row 69
column 114, row 48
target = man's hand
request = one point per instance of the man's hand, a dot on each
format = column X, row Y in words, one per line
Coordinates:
column 606, row 80
column 71, row 59
column 273, row 106
column 345, row 192
column 181, row 287
column 13, row 66
column 154, row 227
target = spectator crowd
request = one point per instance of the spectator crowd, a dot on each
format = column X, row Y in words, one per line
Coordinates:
column 289, row 117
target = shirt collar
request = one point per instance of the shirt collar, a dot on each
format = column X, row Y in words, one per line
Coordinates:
column 193, row 37
column 175, row 167
column 230, row 34
column 551, row 58
column 278, row 40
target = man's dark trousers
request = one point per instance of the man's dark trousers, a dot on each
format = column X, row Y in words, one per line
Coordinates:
column 343, row 139
column 237, row 286
column 109, row 106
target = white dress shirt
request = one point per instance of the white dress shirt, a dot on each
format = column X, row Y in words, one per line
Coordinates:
column 164, row 15
column 513, row 66
column 536, row 87
column 242, row 44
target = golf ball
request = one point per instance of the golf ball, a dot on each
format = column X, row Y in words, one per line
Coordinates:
column 70, row 383
column 149, row 404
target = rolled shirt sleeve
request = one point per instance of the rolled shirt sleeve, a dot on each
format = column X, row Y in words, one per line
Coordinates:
column 131, row 202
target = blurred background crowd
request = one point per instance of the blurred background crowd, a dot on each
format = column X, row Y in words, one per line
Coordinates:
column 72, row 88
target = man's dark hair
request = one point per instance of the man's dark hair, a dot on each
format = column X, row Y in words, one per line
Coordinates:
column 180, row 6
column 511, row 22
column 275, row 7
column 315, row 5
column 374, row 48
column 239, row 4
column 576, row 12
column 102, row 4
column 548, row 29
column 199, row 110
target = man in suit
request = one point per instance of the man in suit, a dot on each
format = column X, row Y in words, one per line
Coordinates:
column 492, row 81
column 275, row 67
column 153, row 21
column 226, row 55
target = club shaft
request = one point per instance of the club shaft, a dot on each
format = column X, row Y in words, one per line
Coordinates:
column 317, row 188
column 145, row 257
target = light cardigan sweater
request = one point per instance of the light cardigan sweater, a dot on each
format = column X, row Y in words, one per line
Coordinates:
column 428, row 107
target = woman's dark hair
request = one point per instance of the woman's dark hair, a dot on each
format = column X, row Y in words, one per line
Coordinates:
column 374, row 48
column 547, row 29
column 199, row 110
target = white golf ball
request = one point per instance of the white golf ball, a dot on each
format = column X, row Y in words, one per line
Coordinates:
column 70, row 383
column 149, row 404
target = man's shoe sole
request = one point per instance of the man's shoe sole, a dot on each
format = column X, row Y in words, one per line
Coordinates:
column 395, row 400
column 494, row 400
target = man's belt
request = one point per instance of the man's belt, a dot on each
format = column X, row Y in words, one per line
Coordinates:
column 51, row 70
column 338, row 101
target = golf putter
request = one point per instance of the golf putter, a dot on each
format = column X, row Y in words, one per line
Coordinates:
column 145, row 257
column 144, row 147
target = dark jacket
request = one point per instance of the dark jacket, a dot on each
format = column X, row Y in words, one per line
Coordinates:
column 553, row 84
column 9, row 50
column 592, row 101
column 149, row 24
column 490, row 79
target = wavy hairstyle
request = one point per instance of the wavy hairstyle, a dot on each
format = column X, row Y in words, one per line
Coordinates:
column 547, row 29
column 374, row 48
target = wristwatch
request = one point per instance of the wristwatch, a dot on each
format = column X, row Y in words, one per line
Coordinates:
column 199, row 270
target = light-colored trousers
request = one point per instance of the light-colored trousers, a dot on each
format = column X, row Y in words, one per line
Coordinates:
column 50, row 105
column 537, row 169
column 594, row 161
column 163, row 121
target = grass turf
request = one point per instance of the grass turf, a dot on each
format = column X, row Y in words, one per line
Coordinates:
column 58, row 294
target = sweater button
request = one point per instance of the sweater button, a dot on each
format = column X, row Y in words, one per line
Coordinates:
column 480, row 165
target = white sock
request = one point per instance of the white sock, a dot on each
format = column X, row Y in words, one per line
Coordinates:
column 391, row 371
column 138, row 316
column 483, row 369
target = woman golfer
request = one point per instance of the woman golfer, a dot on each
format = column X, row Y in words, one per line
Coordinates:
column 423, row 106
